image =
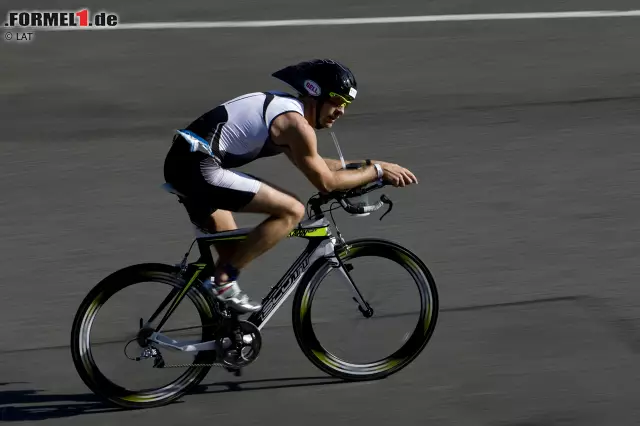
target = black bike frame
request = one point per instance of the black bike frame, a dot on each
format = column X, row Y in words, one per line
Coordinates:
column 321, row 243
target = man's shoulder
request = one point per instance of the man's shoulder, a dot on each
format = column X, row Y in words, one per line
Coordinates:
column 291, row 127
column 282, row 107
column 291, row 119
column 285, row 102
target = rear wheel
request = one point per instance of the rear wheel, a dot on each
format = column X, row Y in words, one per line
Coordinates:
column 134, row 345
column 416, row 337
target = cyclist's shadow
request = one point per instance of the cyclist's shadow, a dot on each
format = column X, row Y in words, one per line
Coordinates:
column 31, row 405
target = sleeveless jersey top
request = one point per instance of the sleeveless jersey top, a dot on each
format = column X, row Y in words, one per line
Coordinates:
column 237, row 131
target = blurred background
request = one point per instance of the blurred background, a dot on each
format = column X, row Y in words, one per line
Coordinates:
column 523, row 134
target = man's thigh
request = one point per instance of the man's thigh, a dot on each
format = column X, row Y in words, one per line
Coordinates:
column 246, row 193
column 274, row 186
column 271, row 201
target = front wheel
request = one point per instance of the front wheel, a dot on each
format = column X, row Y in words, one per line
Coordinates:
column 378, row 252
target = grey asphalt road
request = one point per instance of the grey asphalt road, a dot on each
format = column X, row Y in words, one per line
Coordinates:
column 523, row 135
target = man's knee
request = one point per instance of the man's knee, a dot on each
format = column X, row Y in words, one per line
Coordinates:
column 291, row 210
column 296, row 211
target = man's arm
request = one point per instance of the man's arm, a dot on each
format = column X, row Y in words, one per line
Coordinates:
column 393, row 173
column 337, row 164
column 291, row 130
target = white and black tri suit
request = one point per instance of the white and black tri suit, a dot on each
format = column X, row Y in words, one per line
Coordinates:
column 231, row 135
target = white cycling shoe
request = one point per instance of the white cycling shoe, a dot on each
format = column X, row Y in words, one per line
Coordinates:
column 231, row 295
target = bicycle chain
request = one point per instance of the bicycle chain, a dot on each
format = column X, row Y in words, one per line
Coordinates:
column 215, row 364
column 197, row 365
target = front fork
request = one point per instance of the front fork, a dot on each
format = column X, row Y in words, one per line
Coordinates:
column 336, row 262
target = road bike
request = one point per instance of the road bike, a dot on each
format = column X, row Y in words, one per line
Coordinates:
column 226, row 340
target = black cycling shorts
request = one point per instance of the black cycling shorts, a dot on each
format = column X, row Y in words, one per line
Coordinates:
column 208, row 186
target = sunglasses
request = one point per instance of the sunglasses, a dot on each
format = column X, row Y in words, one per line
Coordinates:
column 339, row 100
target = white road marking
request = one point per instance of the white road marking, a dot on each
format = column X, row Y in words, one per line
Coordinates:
column 356, row 21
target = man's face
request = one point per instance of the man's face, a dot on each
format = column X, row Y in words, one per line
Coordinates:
column 331, row 110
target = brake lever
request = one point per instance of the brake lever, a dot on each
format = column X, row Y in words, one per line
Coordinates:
column 386, row 200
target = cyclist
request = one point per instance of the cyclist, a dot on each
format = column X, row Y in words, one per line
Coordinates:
column 202, row 157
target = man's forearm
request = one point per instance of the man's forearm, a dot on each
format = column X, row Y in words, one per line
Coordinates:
column 337, row 164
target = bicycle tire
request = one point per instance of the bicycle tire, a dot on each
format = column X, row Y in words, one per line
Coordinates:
column 80, row 332
column 402, row 357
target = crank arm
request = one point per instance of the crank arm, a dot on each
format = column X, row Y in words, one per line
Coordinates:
column 185, row 345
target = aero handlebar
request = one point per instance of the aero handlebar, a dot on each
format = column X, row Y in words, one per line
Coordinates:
column 342, row 197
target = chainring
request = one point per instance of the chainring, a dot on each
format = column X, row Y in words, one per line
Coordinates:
column 245, row 342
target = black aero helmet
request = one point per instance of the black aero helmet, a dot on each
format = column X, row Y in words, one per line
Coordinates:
column 320, row 78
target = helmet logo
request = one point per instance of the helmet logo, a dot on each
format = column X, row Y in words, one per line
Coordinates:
column 312, row 87
column 353, row 92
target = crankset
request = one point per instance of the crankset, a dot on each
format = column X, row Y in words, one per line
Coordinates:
column 237, row 345
column 242, row 346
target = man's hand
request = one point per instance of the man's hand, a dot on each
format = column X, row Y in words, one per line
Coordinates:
column 397, row 175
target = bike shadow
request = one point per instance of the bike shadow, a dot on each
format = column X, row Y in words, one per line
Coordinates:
column 33, row 405
column 264, row 384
